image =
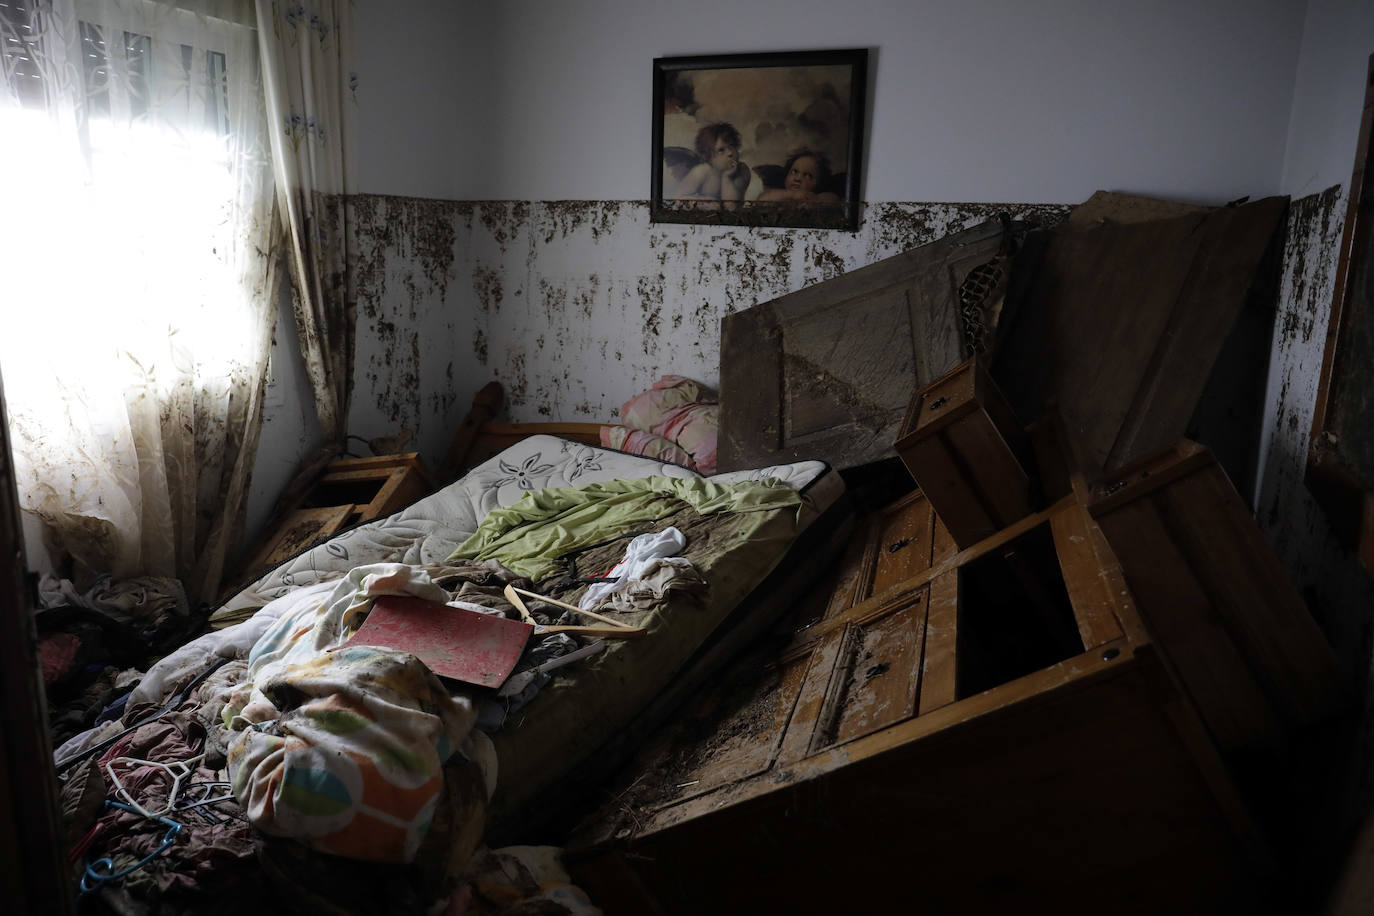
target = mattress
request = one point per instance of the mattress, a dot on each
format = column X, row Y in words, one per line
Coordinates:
column 426, row 532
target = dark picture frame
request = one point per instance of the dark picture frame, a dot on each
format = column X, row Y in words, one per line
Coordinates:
column 770, row 139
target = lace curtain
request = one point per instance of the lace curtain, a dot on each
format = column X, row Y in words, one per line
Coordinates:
column 136, row 275
column 307, row 54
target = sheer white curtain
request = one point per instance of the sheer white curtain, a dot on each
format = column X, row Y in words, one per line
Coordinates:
column 308, row 59
column 136, row 240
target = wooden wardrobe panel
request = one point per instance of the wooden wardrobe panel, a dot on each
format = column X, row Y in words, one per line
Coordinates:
column 827, row 371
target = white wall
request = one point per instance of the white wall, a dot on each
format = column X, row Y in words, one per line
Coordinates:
column 423, row 70
column 971, row 100
column 1338, row 37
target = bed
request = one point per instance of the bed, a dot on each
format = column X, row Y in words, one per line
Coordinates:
column 491, row 773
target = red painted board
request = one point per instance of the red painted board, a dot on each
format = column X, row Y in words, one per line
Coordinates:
column 456, row 643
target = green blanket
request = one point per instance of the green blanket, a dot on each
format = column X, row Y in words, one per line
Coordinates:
column 530, row 535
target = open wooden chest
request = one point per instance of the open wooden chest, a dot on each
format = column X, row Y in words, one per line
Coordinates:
column 1079, row 712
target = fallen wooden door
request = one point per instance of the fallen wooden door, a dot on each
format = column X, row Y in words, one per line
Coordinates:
column 826, row 372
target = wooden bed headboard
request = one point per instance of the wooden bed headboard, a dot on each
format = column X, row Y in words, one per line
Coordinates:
column 478, row 438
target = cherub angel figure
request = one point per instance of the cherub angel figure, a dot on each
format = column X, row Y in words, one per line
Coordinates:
column 806, row 177
column 714, row 171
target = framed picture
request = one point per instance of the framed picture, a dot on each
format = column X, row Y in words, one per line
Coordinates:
column 759, row 139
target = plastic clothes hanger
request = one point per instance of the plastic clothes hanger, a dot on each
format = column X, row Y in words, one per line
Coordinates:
column 177, row 769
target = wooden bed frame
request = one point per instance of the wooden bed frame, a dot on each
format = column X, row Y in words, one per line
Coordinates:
column 478, row 438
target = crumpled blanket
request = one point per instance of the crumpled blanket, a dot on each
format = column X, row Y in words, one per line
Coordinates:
column 351, row 759
column 529, row 536
column 343, row 750
column 676, row 420
column 654, row 581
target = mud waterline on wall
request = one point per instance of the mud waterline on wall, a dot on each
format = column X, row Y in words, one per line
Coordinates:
column 575, row 306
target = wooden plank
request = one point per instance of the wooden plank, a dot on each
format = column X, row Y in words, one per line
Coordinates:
column 1145, row 477
column 947, row 559
column 372, row 462
column 1077, row 796
column 1356, row 237
column 1122, row 324
column 502, row 435
column 818, row 663
column 853, row 573
column 485, row 405
column 1186, row 629
column 1000, row 481
column 1225, row 266
column 302, row 528
column 983, row 710
column 828, row 371
column 746, row 737
column 1340, row 458
column 750, row 388
column 939, row 666
column 944, row 546
column 1094, row 604
column 1252, row 596
column 1115, row 207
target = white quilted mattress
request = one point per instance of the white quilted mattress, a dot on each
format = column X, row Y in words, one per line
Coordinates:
column 428, row 531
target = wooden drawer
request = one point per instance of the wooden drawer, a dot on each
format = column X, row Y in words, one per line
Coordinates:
column 349, row 491
column 967, row 453
column 376, row 487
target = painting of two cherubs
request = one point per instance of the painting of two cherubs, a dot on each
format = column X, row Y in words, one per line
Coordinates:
column 759, row 139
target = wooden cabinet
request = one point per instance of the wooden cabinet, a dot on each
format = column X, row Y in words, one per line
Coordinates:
column 1052, row 718
column 347, row 492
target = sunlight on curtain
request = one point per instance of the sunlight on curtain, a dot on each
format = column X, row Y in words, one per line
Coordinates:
column 134, row 240
column 310, row 82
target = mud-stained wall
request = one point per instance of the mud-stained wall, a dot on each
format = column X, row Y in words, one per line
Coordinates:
column 1326, row 571
column 413, row 304
column 580, row 305
column 576, row 306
